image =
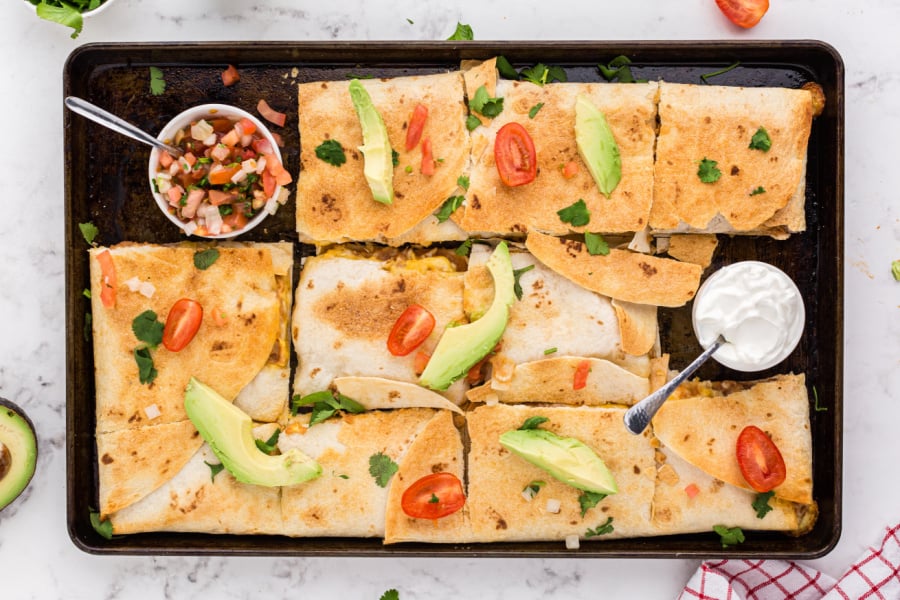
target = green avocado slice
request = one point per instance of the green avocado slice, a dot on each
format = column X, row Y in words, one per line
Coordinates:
column 18, row 451
column 377, row 152
column 570, row 460
column 597, row 145
column 228, row 431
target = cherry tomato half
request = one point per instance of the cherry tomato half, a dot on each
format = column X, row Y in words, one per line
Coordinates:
column 416, row 126
column 108, row 281
column 581, row 375
column 514, row 155
column 182, row 324
column 744, row 13
column 427, row 158
column 411, row 329
column 434, row 496
column 421, row 362
column 760, row 460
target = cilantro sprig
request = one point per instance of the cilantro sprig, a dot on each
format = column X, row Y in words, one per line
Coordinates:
column 758, row 190
column 533, row 422
column 595, row 244
column 532, row 113
column 391, row 594
column 708, row 171
column 157, row 81
column 895, row 270
column 89, row 231
column 147, row 328
column 517, row 286
column 761, row 140
column 729, row 536
column 214, row 469
column 588, row 500
column 707, row 76
column 382, row 468
column 270, row 444
column 540, row 74
column 463, row 32
column 602, row 529
column 204, row 259
column 449, row 207
column 761, row 504
column 331, row 152
column 482, row 103
column 576, row 214
column 619, row 70
column 104, row 527
column 325, row 405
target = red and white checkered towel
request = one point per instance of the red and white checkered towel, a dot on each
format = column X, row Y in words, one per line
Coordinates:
column 875, row 576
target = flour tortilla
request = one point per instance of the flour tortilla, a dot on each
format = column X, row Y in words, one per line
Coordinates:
column 335, row 204
column 378, row 393
column 693, row 248
column 638, row 325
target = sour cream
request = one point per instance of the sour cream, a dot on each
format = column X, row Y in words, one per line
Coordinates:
column 757, row 308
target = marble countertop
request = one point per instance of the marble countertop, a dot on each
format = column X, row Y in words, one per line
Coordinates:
column 37, row 559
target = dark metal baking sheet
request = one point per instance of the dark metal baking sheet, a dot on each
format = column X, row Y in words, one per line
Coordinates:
column 106, row 182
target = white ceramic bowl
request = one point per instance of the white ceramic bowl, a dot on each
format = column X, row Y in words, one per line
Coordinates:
column 184, row 119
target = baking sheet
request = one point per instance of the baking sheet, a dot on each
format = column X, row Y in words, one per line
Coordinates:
column 106, row 182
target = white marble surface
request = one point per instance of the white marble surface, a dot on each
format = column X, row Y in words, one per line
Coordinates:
column 37, row 560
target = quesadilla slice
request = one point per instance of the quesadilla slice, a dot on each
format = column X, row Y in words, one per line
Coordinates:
column 728, row 159
column 703, row 429
column 693, row 248
column 334, row 201
column 497, row 478
column 347, row 303
column 639, row 326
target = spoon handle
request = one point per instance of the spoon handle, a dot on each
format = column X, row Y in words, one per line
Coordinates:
column 638, row 416
column 107, row 119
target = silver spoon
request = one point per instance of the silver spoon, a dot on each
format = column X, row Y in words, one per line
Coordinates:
column 107, row 119
column 638, row 416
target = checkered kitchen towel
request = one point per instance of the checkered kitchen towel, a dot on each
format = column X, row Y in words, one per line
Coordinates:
column 875, row 576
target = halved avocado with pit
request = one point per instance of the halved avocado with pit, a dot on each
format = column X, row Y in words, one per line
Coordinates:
column 18, row 451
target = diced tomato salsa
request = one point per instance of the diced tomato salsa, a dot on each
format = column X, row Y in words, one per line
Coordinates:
column 224, row 178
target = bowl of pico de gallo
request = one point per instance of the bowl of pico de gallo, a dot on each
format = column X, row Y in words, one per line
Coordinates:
column 229, row 174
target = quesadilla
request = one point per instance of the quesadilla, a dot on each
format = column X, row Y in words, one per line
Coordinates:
column 693, row 248
column 757, row 138
column 334, row 202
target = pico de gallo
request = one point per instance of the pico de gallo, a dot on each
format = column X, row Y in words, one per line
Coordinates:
column 225, row 177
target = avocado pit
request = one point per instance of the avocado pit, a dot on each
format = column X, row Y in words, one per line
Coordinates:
column 18, row 452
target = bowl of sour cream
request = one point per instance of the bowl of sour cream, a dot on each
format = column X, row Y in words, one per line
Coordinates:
column 757, row 308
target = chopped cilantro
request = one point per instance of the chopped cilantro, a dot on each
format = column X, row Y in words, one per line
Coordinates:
column 88, row 321
column 550, row 351
column 619, row 69
column 408, row 169
column 534, row 487
column 270, row 444
column 540, row 74
column 595, row 244
column 86, row 293
column 382, row 468
column 707, row 76
column 390, row 595
column 517, row 274
column 395, row 157
column 204, row 259
column 147, row 328
column 533, row 422
column 433, row 500
column 214, row 469
column 472, row 122
column 482, row 103
column 816, row 401
column 758, row 190
column 463, row 33
column 506, row 70
column 410, row 21
column 729, row 536
column 588, row 500
column 895, row 271
column 341, row 475
column 104, row 528
column 464, row 248
column 463, row 182
column 576, row 214
column 761, row 140
column 325, row 405
column 449, row 207
column 761, row 504
column 331, row 152
column 602, row 529
column 708, row 172
column 146, row 371
column 89, row 231
column 157, row 81
column 535, row 109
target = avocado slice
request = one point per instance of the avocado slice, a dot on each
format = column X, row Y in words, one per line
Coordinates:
column 227, row 430
column 596, row 145
column 461, row 347
column 377, row 153
column 571, row 461
column 18, row 451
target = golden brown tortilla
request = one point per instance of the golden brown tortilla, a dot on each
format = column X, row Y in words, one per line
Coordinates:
column 637, row 322
column 693, row 248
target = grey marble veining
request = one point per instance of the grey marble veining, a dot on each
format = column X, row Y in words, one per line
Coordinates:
column 37, row 560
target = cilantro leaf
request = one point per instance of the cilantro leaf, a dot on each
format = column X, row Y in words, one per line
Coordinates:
column 595, row 244
column 62, row 13
column 761, row 140
column 214, row 469
column 321, row 412
column 729, row 536
column 350, row 405
column 472, row 122
column 816, row 403
column 482, row 103
column 464, row 248
column 89, row 231
column 463, row 32
column 588, row 500
column 86, row 293
column 576, row 214
column 88, row 323
column 895, row 271
column 534, row 487
column 204, row 259
column 761, row 504
column 540, row 74
column 517, row 274
column 157, row 81
column 449, row 207
column 325, row 405
column 463, row 182
column 708, row 172
column 434, row 499
column 758, row 190
column 506, row 70
column 146, row 371
column 619, row 69
column 147, row 328
column 316, row 397
column 382, row 468
column 707, row 76
column 602, row 529
column 270, row 444
column 104, row 528
column 395, row 157
column 550, row 351
column 535, row 109
column 331, row 152
column 533, row 422
column 390, row 595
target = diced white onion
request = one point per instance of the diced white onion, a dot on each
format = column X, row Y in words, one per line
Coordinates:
column 152, row 411
column 210, row 140
column 174, row 168
column 249, row 165
column 147, row 289
column 190, row 227
column 133, row 284
column 553, row 505
column 210, row 214
column 572, row 542
column 201, row 130
column 239, row 176
column 492, row 399
column 272, row 206
column 283, row 196
column 184, row 164
column 529, row 493
column 163, row 184
column 260, row 166
column 246, row 139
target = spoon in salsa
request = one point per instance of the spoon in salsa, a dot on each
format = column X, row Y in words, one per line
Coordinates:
column 107, row 119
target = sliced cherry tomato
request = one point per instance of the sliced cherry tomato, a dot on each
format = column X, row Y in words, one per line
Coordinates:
column 692, row 490
column 474, row 375
column 434, row 496
column 223, row 176
column 411, row 329
column 182, row 324
column 570, row 169
column 427, row 158
column 514, row 155
column 760, row 460
column 422, row 359
column 236, row 219
column 270, row 114
column 581, row 375
column 248, row 127
column 268, row 181
column 263, row 146
column 230, row 76
column 416, row 126
column 108, row 282
column 744, row 13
